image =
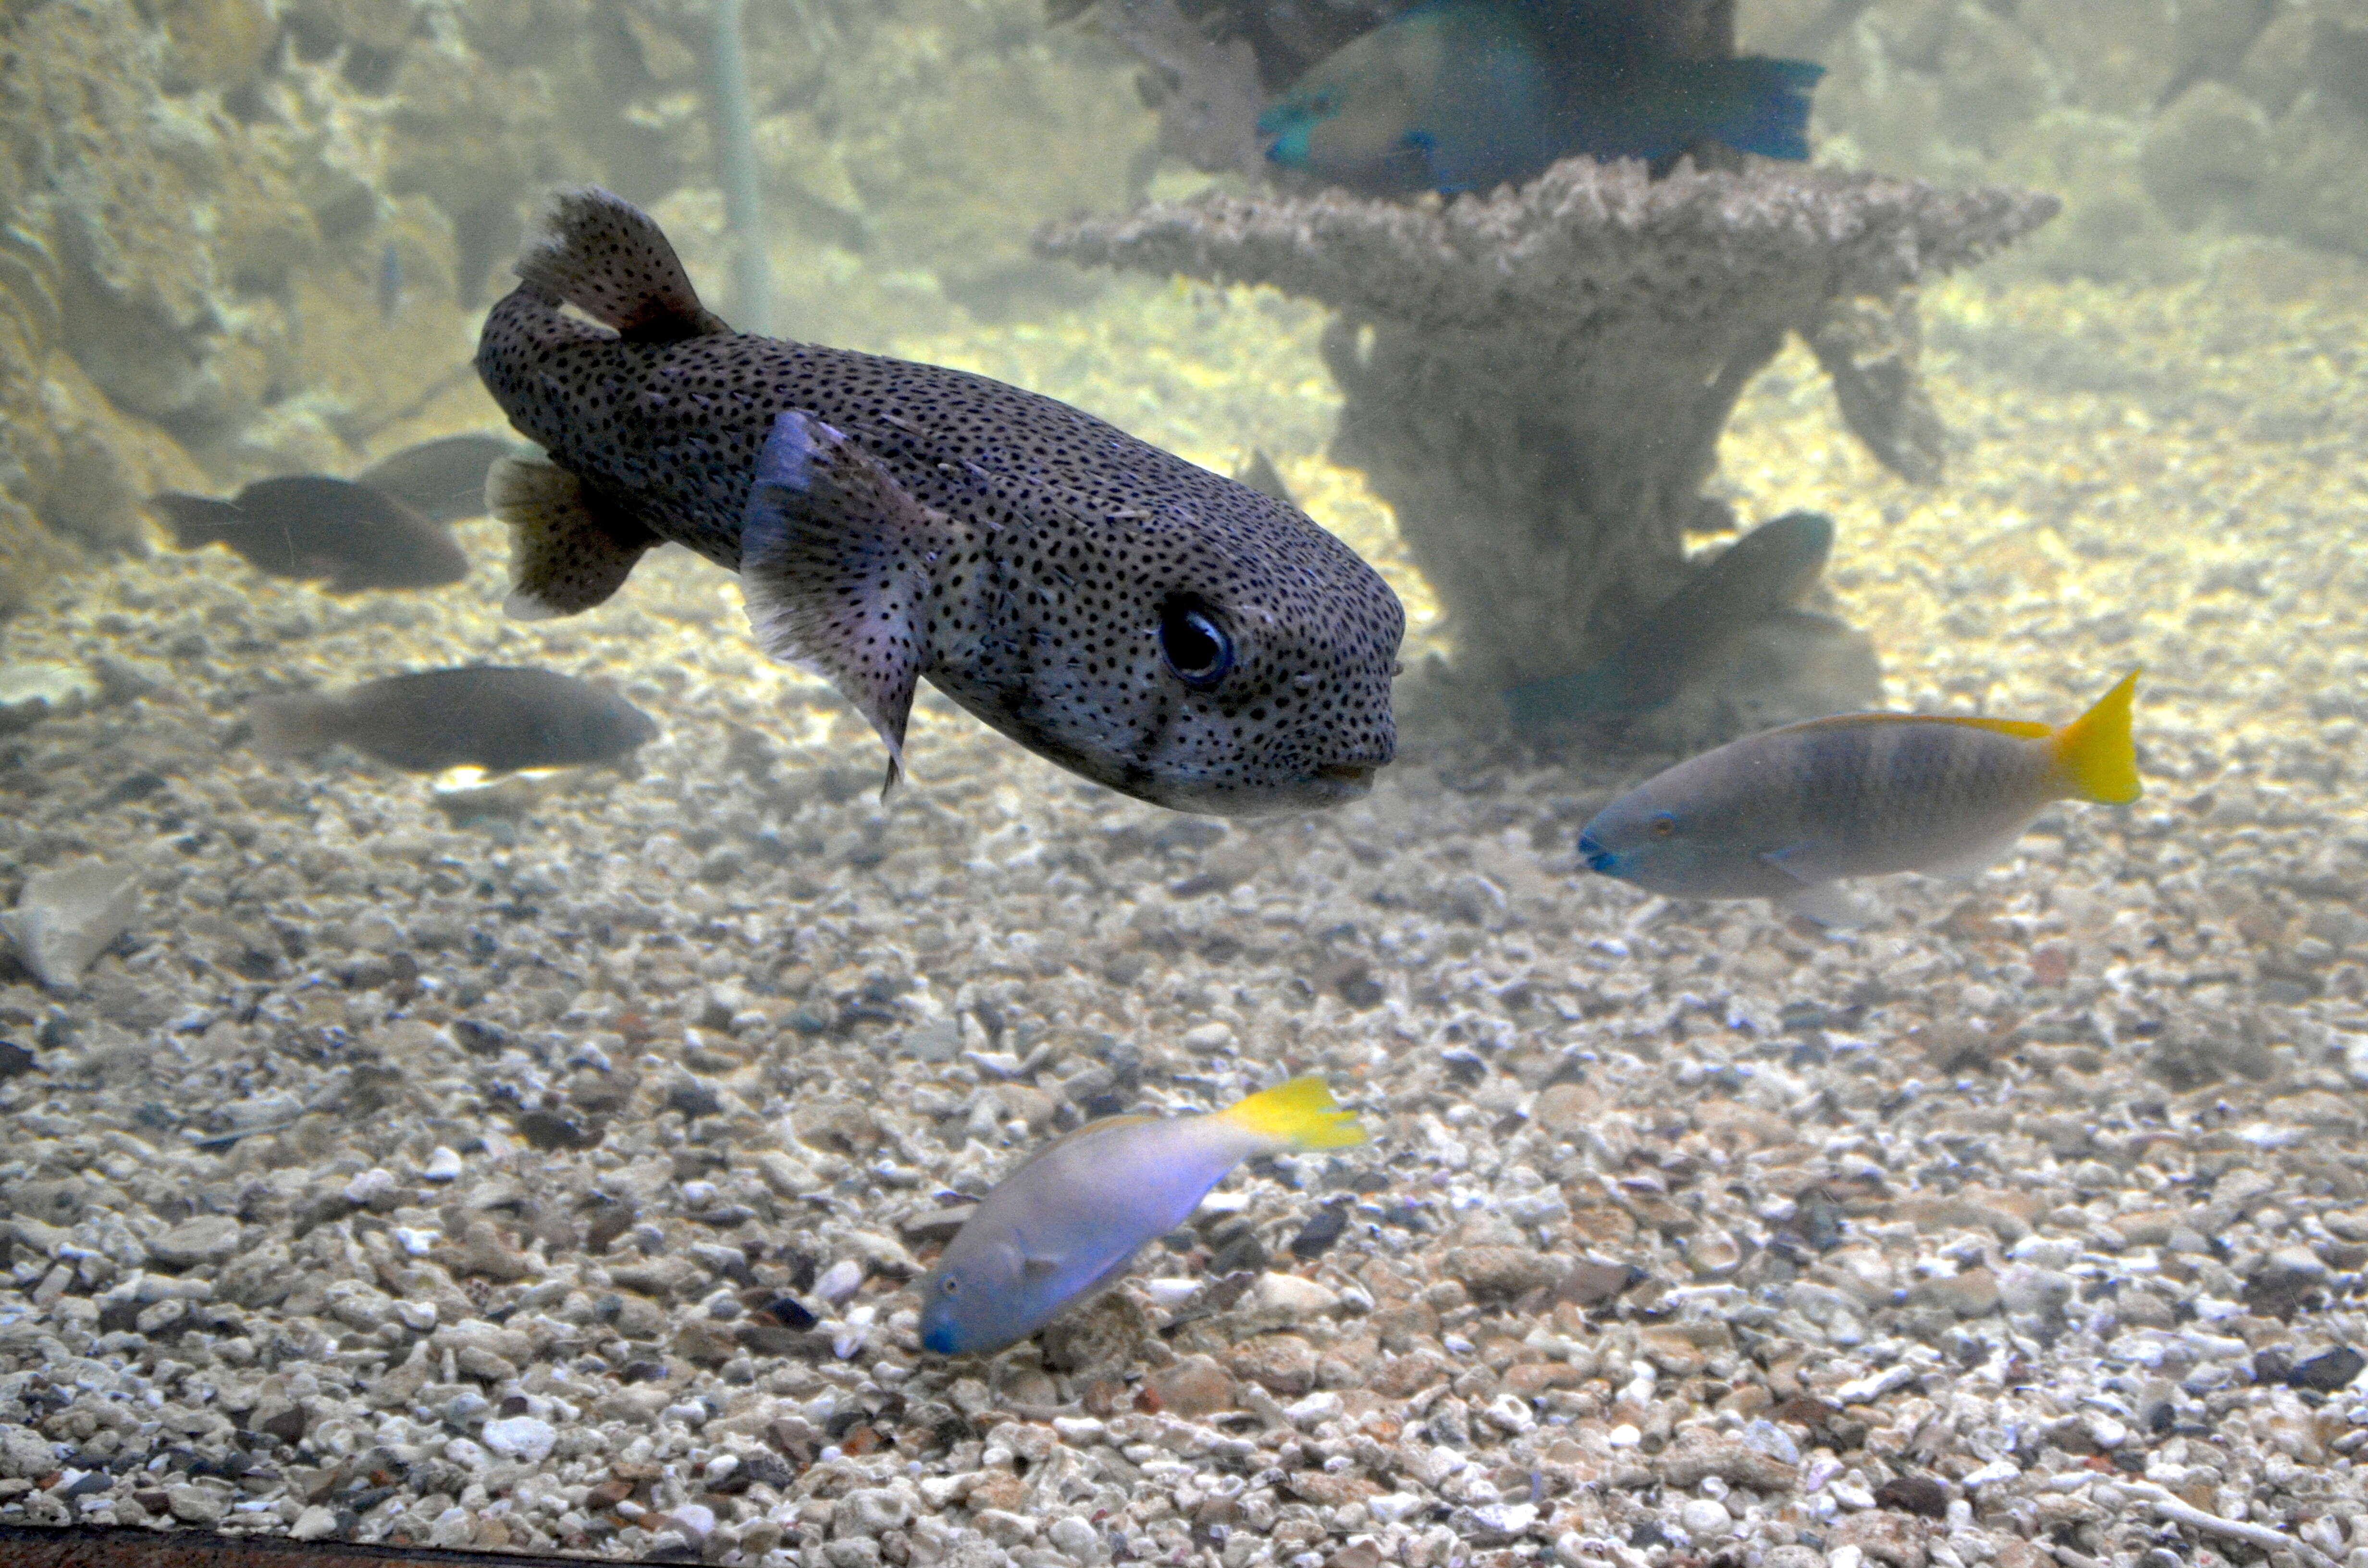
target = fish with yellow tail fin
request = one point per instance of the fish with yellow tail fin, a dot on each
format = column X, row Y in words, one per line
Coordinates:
column 1066, row 1223
column 1788, row 813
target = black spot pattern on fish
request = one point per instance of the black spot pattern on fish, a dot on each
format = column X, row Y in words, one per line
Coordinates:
column 1065, row 537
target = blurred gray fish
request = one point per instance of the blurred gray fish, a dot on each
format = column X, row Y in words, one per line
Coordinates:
column 1260, row 474
column 348, row 537
column 1759, row 577
column 1136, row 619
column 390, row 283
column 442, row 480
column 488, row 716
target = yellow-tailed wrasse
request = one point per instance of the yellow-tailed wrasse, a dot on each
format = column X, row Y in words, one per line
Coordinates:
column 1788, row 813
column 1141, row 622
column 1067, row 1224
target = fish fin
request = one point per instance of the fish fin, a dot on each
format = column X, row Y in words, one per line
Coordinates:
column 1770, row 102
column 1033, row 1267
column 834, row 568
column 1967, row 864
column 2022, row 729
column 570, row 548
column 1819, row 895
column 2094, row 751
column 607, row 259
column 1300, row 1114
column 293, row 726
column 199, row 520
column 1828, row 903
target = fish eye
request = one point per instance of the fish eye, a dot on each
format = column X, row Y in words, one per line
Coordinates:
column 1664, row 825
column 1197, row 649
column 949, row 1285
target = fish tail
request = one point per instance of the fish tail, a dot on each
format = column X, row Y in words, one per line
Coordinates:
column 610, row 260
column 1769, row 103
column 2094, row 752
column 294, row 726
column 199, row 520
column 1301, row 1114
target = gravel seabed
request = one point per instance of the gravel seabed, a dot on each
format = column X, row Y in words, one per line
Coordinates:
column 550, row 1171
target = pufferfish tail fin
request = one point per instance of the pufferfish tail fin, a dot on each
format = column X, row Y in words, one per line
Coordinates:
column 2094, row 751
column 604, row 256
column 1300, row 1114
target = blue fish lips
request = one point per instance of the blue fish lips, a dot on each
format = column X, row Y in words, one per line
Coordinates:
column 1597, row 859
column 939, row 1336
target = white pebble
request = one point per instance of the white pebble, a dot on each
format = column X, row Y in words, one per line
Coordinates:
column 315, row 1523
column 520, row 1437
column 839, row 1280
column 416, row 1244
column 375, row 1182
column 1624, row 1437
column 442, row 1165
column 417, row 1316
column 1705, row 1517
column 1845, row 1556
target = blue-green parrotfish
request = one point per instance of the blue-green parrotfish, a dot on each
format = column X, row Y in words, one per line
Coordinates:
column 1066, row 1223
column 1468, row 94
column 1134, row 619
column 1787, row 813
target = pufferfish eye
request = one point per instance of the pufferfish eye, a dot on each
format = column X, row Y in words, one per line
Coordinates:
column 1199, row 651
column 1664, row 827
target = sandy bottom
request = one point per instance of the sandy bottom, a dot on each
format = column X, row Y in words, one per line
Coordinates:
column 555, row 1179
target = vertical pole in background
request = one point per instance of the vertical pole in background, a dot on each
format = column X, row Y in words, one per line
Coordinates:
column 733, row 124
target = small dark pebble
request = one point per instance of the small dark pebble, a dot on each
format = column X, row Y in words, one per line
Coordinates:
column 1320, row 1232
column 288, row 1425
column 643, row 1372
column 2272, row 1365
column 549, row 1130
column 1245, row 1252
column 1591, row 1283
column 15, row 1060
column 2328, row 1370
column 693, row 1099
column 1464, row 1068
column 789, row 1312
column 1648, row 1534
column 1914, row 1494
column 1820, row 1222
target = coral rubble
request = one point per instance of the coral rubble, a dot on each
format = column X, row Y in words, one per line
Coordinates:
column 1537, row 380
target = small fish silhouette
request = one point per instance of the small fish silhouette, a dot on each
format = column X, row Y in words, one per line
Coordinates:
column 1757, row 578
column 346, row 536
column 390, row 283
column 442, row 480
column 488, row 716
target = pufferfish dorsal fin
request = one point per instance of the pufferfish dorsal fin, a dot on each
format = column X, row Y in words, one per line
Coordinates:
column 604, row 256
column 570, row 547
column 835, row 569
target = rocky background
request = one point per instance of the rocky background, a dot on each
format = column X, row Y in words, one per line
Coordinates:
column 247, row 237
column 2162, row 122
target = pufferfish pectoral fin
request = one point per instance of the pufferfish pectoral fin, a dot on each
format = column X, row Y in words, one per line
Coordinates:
column 570, row 548
column 835, row 569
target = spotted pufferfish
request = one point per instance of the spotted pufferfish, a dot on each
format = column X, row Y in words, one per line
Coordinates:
column 1139, row 620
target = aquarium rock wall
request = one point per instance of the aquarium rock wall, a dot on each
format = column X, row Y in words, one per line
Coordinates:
column 2161, row 121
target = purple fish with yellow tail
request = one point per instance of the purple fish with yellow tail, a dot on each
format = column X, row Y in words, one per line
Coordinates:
column 1065, row 1224
column 1788, row 813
